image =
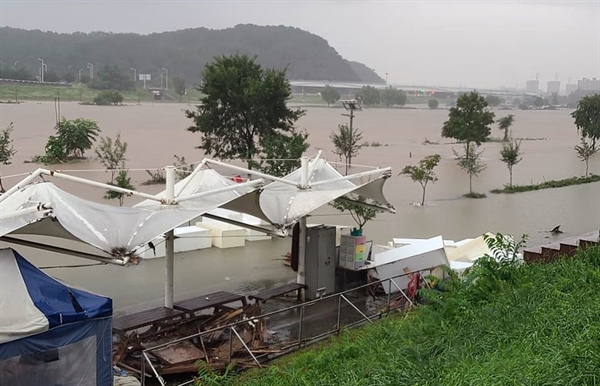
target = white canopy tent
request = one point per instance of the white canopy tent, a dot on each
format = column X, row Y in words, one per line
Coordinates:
column 43, row 209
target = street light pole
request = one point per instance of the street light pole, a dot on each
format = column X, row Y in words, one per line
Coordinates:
column 134, row 73
column 17, row 62
column 166, row 78
column 81, row 69
column 386, row 74
column 91, row 67
column 41, row 70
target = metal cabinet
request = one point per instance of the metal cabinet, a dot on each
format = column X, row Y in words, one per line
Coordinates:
column 320, row 261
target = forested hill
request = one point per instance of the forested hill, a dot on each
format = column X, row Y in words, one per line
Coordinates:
column 184, row 52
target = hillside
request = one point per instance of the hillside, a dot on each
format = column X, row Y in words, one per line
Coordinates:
column 184, row 52
column 535, row 324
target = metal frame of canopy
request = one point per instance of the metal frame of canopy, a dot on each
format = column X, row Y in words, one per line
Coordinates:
column 168, row 199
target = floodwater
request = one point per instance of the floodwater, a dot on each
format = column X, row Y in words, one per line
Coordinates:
column 155, row 132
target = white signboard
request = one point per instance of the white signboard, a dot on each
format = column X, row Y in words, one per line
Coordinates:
column 145, row 77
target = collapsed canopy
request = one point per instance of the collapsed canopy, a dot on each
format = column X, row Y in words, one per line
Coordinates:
column 285, row 204
column 118, row 231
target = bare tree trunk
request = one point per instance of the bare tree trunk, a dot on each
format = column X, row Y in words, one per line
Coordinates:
column 587, row 167
column 506, row 134
column 423, row 199
column 510, row 171
column 470, row 183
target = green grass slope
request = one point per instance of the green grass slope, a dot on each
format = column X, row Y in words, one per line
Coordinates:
column 528, row 325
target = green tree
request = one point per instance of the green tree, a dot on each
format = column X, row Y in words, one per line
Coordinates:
column 77, row 135
column 179, row 86
column 433, row 103
column 7, row 150
column 505, row 123
column 511, row 155
column 69, row 77
column 358, row 207
column 423, row 172
column 111, row 78
column 587, row 117
column 493, row 100
column 55, row 151
column 368, row 95
column 282, row 152
column 330, row 95
column 539, row 102
column 111, row 154
column 108, row 98
column 585, row 151
column 122, row 181
column 469, row 121
column 471, row 163
column 391, row 96
column 51, row 76
column 347, row 143
column 242, row 104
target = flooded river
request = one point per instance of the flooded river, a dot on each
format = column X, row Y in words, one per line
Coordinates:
column 155, row 132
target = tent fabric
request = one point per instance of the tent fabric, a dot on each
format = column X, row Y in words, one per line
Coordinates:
column 32, row 302
column 118, row 231
column 76, row 354
column 285, row 204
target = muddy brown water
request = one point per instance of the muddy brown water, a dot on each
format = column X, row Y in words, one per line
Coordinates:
column 155, row 132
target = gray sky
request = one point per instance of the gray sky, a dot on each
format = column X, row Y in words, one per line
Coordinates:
column 480, row 43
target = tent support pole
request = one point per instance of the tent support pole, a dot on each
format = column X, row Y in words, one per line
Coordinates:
column 169, row 241
column 64, row 251
column 301, row 276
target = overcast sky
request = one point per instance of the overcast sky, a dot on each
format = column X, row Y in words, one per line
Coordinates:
column 479, row 43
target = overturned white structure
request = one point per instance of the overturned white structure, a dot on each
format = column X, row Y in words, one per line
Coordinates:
column 121, row 233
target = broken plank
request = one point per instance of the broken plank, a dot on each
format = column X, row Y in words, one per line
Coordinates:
column 180, row 352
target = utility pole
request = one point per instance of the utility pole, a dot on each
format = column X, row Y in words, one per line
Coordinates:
column 386, row 74
column 42, row 64
column 91, row 67
column 166, row 78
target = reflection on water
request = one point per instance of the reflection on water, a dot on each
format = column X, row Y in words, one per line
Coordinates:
column 155, row 132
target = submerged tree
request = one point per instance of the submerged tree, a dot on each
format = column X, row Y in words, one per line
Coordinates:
column 242, row 104
column 347, row 143
column 77, row 135
column 179, row 86
column 469, row 121
column 433, row 104
column 111, row 154
column 122, row 181
column 7, row 150
column 511, row 155
column 471, row 163
column 585, row 151
column 330, row 95
column 423, row 172
column 587, row 117
column 505, row 123
column 282, row 152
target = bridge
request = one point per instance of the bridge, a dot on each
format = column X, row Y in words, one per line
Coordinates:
column 319, row 84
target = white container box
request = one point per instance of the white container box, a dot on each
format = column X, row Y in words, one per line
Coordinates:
column 224, row 235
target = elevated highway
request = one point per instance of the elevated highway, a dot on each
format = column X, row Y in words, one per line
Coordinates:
column 319, row 84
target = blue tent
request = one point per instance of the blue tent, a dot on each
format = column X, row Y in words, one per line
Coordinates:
column 51, row 334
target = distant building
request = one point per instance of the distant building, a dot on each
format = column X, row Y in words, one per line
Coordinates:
column 586, row 84
column 570, row 88
column 532, row 86
column 553, row 86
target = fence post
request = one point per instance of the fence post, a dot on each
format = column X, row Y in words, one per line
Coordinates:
column 143, row 371
column 230, row 344
column 339, row 315
column 300, row 328
column 389, row 294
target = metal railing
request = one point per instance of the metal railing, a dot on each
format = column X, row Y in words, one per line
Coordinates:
column 302, row 323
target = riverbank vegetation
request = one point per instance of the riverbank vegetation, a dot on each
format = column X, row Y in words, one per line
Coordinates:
column 515, row 324
column 548, row 184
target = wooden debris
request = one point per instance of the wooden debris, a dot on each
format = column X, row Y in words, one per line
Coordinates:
column 212, row 348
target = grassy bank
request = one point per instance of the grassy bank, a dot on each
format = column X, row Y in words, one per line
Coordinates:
column 528, row 325
column 549, row 184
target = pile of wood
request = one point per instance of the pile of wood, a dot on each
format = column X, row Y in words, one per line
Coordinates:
column 215, row 348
